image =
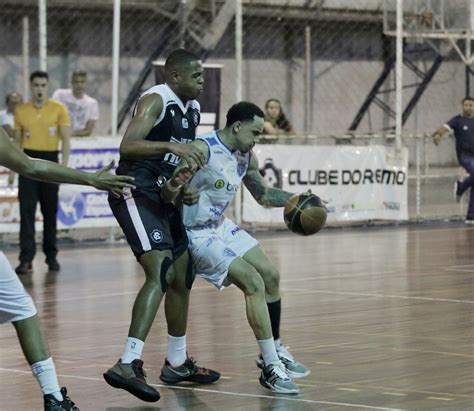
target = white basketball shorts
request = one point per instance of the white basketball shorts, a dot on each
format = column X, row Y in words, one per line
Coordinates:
column 15, row 303
column 214, row 249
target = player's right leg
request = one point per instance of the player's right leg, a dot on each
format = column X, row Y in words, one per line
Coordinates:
column 128, row 373
column 144, row 221
column 258, row 259
column 17, row 307
column 274, row 375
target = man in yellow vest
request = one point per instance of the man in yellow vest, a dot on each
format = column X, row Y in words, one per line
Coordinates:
column 40, row 125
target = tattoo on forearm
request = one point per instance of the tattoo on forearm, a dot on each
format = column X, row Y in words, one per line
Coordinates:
column 276, row 197
column 266, row 196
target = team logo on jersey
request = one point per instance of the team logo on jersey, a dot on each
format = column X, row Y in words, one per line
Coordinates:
column 465, row 128
column 184, row 122
column 241, row 169
column 156, row 235
column 228, row 253
column 219, row 184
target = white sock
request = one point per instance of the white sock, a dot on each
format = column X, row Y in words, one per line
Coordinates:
column 176, row 350
column 268, row 350
column 45, row 373
column 133, row 350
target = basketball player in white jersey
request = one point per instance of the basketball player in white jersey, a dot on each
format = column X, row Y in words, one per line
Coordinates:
column 222, row 252
column 16, row 305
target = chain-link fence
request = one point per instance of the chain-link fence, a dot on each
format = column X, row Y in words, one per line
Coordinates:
column 330, row 63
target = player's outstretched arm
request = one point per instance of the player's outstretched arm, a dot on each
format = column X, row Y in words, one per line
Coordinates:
column 14, row 159
column 264, row 195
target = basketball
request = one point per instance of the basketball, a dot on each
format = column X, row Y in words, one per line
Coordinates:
column 304, row 214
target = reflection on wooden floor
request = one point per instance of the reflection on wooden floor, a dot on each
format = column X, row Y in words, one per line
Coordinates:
column 384, row 317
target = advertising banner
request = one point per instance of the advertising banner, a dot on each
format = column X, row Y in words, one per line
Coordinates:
column 79, row 206
column 358, row 183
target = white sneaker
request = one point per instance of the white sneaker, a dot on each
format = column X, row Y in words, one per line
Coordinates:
column 294, row 368
column 275, row 377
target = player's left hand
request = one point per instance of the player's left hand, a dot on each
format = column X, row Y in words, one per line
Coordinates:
column 190, row 195
column 104, row 180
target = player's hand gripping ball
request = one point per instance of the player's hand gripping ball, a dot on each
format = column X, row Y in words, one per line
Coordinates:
column 305, row 213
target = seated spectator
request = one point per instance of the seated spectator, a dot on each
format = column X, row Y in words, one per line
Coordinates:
column 7, row 119
column 83, row 109
column 275, row 120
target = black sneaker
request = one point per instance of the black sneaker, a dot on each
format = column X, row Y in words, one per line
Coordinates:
column 24, row 268
column 53, row 265
column 469, row 219
column 52, row 404
column 131, row 378
column 188, row 371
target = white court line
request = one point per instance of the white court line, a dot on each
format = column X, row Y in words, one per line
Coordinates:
column 404, row 297
column 466, row 268
column 229, row 393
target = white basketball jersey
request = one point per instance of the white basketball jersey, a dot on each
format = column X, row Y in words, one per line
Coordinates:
column 217, row 182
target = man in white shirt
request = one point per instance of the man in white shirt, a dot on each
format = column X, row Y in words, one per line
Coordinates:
column 7, row 119
column 83, row 109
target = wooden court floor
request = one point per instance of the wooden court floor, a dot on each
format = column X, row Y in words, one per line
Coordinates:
column 384, row 318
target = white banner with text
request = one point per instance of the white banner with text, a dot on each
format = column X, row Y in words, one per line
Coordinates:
column 358, row 182
column 79, row 206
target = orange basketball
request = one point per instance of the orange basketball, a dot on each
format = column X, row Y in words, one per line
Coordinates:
column 305, row 214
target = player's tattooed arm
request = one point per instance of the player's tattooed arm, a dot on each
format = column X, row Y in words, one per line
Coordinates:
column 264, row 195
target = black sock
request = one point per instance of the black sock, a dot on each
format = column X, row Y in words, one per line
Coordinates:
column 274, row 309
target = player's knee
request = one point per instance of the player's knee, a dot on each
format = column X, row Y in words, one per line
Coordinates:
column 272, row 279
column 254, row 284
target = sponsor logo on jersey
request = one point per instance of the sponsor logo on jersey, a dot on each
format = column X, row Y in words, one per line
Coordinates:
column 228, row 253
column 219, row 184
column 156, row 236
column 233, row 188
column 235, row 230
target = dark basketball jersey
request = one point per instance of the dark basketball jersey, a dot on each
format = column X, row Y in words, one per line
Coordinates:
column 463, row 128
column 177, row 124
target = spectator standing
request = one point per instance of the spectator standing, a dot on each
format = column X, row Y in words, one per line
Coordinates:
column 462, row 126
column 40, row 125
column 83, row 109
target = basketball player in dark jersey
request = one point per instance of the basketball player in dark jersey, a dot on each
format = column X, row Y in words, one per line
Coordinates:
column 165, row 120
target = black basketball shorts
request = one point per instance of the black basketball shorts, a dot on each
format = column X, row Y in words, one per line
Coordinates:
column 149, row 224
